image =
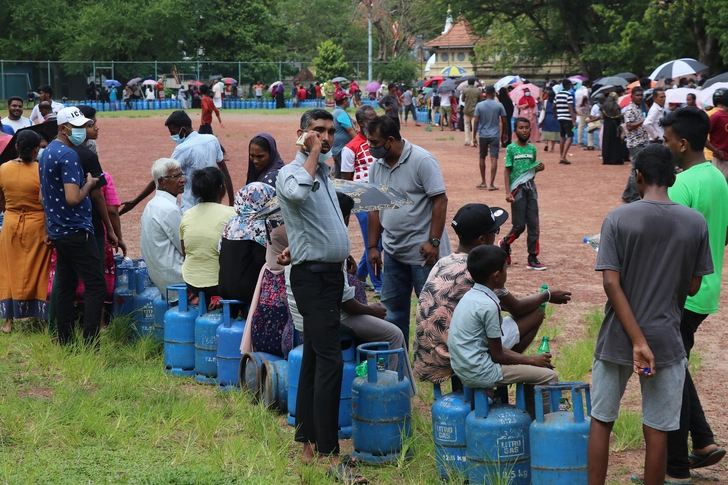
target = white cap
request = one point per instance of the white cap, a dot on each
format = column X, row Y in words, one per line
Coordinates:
column 71, row 115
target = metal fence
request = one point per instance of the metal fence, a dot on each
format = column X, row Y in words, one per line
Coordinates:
column 70, row 78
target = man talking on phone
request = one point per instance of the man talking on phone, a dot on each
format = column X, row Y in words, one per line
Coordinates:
column 414, row 236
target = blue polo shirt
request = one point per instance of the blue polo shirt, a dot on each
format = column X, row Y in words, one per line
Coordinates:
column 60, row 165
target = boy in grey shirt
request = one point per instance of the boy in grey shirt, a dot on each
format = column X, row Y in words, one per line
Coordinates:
column 653, row 254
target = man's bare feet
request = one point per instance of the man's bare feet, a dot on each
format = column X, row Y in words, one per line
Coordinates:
column 308, row 454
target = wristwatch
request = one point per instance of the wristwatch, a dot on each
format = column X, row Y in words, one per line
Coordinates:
column 434, row 241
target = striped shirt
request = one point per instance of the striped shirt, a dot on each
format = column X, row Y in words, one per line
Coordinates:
column 311, row 212
column 563, row 100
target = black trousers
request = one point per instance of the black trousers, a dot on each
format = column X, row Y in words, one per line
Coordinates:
column 205, row 130
column 524, row 213
column 78, row 257
column 318, row 296
column 692, row 417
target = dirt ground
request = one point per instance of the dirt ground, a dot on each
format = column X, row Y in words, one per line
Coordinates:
column 573, row 202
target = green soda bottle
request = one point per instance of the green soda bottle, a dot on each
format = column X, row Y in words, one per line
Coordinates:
column 544, row 347
column 361, row 369
column 544, row 287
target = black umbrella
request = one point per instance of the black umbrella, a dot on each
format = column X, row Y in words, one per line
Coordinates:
column 48, row 130
column 446, row 86
column 420, row 83
column 628, row 76
column 216, row 77
column 462, row 79
column 604, row 90
column 720, row 78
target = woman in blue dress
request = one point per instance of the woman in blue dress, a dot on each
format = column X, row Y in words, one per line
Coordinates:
column 550, row 130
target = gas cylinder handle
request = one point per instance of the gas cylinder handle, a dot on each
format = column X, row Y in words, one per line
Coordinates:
column 578, row 408
column 226, row 311
column 370, row 346
column 181, row 290
column 520, row 397
column 467, row 395
column 538, row 395
column 437, row 392
column 480, row 399
column 202, row 307
column 372, row 355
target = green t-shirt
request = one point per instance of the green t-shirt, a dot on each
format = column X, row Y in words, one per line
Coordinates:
column 703, row 188
column 522, row 162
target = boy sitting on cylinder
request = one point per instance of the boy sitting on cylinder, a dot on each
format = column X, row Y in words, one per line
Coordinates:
column 476, row 352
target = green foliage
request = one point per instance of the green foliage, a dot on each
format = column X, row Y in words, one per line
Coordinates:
column 399, row 69
column 627, row 432
column 330, row 61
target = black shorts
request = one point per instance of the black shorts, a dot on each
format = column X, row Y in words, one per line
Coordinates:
column 567, row 128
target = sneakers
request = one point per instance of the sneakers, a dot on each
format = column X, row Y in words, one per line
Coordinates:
column 507, row 248
column 534, row 263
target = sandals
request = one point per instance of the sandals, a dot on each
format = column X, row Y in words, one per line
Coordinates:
column 564, row 162
column 636, row 479
column 342, row 473
column 481, row 186
column 697, row 461
column 492, row 188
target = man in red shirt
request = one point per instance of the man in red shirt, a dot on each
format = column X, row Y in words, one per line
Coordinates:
column 208, row 106
column 319, row 96
column 301, row 93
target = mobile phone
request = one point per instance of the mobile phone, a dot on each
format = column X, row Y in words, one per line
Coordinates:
column 301, row 139
column 101, row 182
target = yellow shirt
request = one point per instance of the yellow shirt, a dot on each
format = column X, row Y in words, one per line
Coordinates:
column 200, row 232
column 708, row 153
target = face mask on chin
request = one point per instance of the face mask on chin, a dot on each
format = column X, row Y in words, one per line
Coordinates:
column 324, row 156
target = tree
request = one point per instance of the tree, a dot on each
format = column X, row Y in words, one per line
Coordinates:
column 400, row 68
column 330, row 61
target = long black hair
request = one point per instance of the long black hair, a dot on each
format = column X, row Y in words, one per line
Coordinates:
column 27, row 142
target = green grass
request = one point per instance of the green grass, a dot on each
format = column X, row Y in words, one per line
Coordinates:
column 627, row 432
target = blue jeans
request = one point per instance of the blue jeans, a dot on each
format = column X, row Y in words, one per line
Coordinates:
column 364, row 267
column 399, row 281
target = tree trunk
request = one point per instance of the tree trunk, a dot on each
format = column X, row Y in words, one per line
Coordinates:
column 707, row 44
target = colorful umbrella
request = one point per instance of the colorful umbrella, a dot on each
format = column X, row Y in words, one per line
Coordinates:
column 577, row 78
column 194, row 83
column 373, row 87
column 679, row 95
column 134, row 81
column 637, row 83
column 453, row 71
column 677, row 68
column 624, row 100
column 517, row 92
column 435, row 79
column 112, row 83
column 274, row 86
column 229, row 80
column 505, row 81
column 705, row 96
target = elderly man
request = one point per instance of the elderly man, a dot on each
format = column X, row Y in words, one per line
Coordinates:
column 414, row 236
column 319, row 243
column 15, row 118
column 654, row 115
column 636, row 138
column 65, row 189
column 160, row 243
column 45, row 93
column 194, row 151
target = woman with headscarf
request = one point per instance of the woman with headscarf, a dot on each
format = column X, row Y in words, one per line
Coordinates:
column 505, row 100
column 264, row 161
column 612, row 153
column 549, row 125
column 242, row 247
column 528, row 110
column 280, row 97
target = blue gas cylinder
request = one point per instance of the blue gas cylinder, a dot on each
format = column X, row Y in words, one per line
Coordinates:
column 381, row 409
column 179, row 335
column 251, row 371
column 143, row 315
column 349, row 355
column 125, row 294
column 275, row 385
column 497, row 438
column 559, row 439
column 206, row 343
column 449, row 413
column 229, row 335
column 160, row 308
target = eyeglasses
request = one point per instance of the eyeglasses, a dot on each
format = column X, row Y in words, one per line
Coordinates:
column 176, row 176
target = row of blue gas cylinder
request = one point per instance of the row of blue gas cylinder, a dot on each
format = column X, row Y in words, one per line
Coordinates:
column 146, row 105
column 482, row 442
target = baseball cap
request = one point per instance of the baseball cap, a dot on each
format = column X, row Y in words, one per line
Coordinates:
column 71, row 115
column 473, row 220
column 341, row 94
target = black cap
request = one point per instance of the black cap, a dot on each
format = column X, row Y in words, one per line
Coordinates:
column 473, row 220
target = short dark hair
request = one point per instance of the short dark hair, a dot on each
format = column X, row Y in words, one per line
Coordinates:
column 657, row 90
column 689, row 123
column 385, row 126
column 362, row 113
column 566, row 83
column 204, row 89
column 45, row 105
column 645, row 83
column 45, row 88
column 206, row 183
column 471, row 81
column 485, row 260
column 391, row 85
column 14, row 98
column 521, row 119
column 262, row 143
column 637, row 89
column 693, row 96
column 656, row 164
column 87, row 111
column 490, row 90
column 179, row 119
column 27, row 141
column 314, row 114
column 346, row 203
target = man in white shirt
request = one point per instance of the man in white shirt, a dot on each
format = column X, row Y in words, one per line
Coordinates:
column 581, row 98
column 652, row 121
column 15, row 118
column 45, row 93
column 445, row 109
column 218, row 90
column 160, row 242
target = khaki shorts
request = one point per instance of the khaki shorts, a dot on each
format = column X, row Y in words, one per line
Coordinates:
column 445, row 112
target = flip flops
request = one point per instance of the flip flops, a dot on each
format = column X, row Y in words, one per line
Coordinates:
column 707, row 460
column 343, row 474
column 636, row 479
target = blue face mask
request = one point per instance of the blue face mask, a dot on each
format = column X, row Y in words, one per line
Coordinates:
column 77, row 136
column 178, row 139
column 324, row 156
column 40, row 152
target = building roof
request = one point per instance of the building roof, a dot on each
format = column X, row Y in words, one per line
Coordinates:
column 459, row 35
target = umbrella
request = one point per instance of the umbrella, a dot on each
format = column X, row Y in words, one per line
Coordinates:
column 340, row 79
column 505, row 81
column 453, row 71
column 229, row 80
column 612, row 81
column 679, row 95
column 134, row 81
column 637, row 83
column 150, row 82
column 624, row 100
column 428, row 92
column 464, row 85
column 677, row 68
column 604, row 90
column 465, row 78
column 48, row 130
column 195, row 83
column 517, row 92
column 628, row 76
column 367, row 197
column 446, row 86
column 577, row 78
column 274, row 86
column 720, row 78
column 373, row 87
column 216, row 77
column 419, row 84
column 705, row 96
column 437, row 79
column 112, row 83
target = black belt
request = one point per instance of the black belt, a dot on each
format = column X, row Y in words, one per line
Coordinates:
column 316, row 267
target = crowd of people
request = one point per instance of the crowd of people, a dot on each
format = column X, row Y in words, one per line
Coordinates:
column 300, row 284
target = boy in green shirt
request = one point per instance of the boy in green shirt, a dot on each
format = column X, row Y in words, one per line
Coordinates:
column 700, row 186
column 520, row 169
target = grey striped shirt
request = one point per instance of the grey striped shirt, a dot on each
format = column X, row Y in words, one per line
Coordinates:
column 311, row 212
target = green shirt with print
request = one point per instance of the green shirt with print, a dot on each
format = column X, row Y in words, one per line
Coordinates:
column 522, row 162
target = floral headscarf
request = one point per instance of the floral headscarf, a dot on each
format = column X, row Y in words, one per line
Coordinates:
column 248, row 201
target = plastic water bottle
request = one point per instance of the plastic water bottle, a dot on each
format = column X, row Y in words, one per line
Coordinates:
column 593, row 241
column 544, row 287
column 145, row 275
column 124, row 276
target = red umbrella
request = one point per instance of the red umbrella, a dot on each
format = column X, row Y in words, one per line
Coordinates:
column 195, row 83
column 437, row 79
